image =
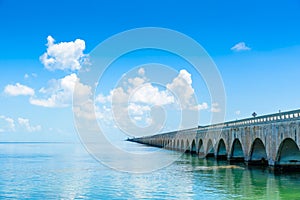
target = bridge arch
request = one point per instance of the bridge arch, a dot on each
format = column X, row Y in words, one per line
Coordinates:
column 288, row 154
column 178, row 145
column 210, row 149
column 221, row 150
column 237, row 153
column 182, row 145
column 187, row 147
column 200, row 148
column 193, row 147
column 258, row 154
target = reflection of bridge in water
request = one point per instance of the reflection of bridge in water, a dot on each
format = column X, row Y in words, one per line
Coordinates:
column 266, row 140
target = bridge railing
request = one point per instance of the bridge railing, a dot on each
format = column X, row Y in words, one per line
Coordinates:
column 281, row 116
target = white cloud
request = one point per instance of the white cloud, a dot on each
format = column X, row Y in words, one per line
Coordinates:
column 149, row 94
column 86, row 110
column 118, row 96
column 137, row 118
column 136, row 109
column 101, row 99
column 141, row 71
column 60, row 92
column 203, row 106
column 25, row 123
column 134, row 98
column 8, row 124
column 241, row 46
column 132, row 101
column 182, row 87
column 64, row 55
column 136, row 82
column 27, row 76
column 18, row 89
column 215, row 108
column 238, row 112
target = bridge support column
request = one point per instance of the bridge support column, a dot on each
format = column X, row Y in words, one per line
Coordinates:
column 271, row 162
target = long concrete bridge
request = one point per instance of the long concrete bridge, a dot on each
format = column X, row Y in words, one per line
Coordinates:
column 271, row 140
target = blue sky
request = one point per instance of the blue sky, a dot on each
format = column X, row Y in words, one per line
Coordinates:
column 260, row 74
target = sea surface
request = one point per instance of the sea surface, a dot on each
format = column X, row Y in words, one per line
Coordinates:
column 67, row 171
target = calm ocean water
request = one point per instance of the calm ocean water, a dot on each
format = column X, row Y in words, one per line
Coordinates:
column 67, row 171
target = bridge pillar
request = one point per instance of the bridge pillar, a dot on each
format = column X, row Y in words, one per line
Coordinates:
column 271, row 162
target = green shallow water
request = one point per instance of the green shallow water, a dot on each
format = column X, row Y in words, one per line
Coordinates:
column 67, row 171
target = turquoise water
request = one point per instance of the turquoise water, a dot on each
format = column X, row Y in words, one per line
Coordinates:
column 67, row 171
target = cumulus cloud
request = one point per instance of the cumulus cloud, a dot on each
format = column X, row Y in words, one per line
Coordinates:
column 64, row 55
column 25, row 124
column 141, row 71
column 182, row 87
column 137, row 109
column 241, row 46
column 136, row 82
column 203, row 106
column 215, row 108
column 131, row 101
column 140, row 92
column 149, row 94
column 60, row 92
column 18, row 89
column 134, row 99
column 27, row 76
column 7, row 124
column 101, row 99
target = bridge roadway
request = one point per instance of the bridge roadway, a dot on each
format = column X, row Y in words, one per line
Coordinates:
column 271, row 140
